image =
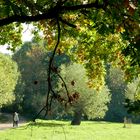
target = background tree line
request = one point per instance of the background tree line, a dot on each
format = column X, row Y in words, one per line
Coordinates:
column 30, row 92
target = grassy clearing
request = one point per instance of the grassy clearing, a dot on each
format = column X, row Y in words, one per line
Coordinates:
column 62, row 130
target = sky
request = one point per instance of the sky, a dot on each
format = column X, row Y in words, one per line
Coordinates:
column 26, row 36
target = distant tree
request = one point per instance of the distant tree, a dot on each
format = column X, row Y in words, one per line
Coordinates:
column 133, row 90
column 8, row 79
column 85, row 100
column 32, row 84
column 33, row 62
column 133, row 97
column 115, row 79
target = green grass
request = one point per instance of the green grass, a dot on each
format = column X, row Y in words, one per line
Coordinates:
column 62, row 130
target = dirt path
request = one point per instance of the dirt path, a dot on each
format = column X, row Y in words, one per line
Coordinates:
column 9, row 123
column 4, row 126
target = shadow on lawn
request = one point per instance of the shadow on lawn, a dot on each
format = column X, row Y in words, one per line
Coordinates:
column 46, row 124
column 40, row 124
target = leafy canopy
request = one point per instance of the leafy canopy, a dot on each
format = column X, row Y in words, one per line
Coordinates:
column 76, row 17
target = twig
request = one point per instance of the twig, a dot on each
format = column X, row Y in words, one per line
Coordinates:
column 64, row 84
column 50, row 63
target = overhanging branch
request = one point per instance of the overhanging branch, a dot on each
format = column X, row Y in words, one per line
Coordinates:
column 47, row 106
column 83, row 6
column 50, row 64
column 50, row 14
column 22, row 19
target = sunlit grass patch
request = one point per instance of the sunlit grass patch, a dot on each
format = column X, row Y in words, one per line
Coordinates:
column 62, row 130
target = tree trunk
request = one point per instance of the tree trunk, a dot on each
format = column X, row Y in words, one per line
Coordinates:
column 77, row 118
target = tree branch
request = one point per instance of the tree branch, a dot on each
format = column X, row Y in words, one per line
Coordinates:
column 22, row 19
column 50, row 65
column 64, row 84
column 50, row 14
column 46, row 106
column 83, row 6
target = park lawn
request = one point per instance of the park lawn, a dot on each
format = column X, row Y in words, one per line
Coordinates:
column 62, row 130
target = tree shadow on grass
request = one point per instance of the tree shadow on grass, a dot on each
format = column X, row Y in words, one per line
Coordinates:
column 46, row 124
column 32, row 125
column 50, row 125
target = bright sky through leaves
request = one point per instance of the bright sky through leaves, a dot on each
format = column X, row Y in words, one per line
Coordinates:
column 26, row 36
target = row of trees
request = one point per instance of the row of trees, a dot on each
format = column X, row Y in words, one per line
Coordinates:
column 31, row 88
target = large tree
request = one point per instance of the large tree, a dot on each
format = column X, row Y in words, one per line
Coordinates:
column 85, row 101
column 8, row 79
column 74, row 22
column 32, row 84
column 133, row 97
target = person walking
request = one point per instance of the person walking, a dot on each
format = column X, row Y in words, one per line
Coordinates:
column 15, row 119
